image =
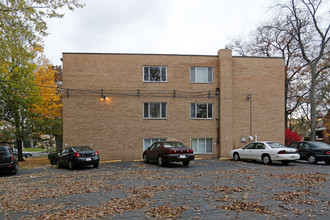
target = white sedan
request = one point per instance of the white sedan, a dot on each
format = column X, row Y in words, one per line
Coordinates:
column 266, row 151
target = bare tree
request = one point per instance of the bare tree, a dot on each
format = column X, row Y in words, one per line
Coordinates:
column 299, row 34
column 301, row 19
column 265, row 41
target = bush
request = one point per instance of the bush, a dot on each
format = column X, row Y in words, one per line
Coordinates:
column 291, row 136
column 52, row 158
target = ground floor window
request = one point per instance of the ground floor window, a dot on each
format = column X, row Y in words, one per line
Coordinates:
column 147, row 142
column 202, row 145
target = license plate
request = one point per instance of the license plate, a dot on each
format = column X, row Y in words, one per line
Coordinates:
column 182, row 156
column 293, row 156
column 88, row 159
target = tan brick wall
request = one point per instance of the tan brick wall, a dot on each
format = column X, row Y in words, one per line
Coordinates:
column 116, row 128
column 264, row 80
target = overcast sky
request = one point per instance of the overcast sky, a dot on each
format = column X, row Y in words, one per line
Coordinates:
column 153, row 26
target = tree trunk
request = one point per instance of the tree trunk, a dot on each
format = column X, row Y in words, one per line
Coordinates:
column 286, row 100
column 19, row 150
column 59, row 141
column 312, row 103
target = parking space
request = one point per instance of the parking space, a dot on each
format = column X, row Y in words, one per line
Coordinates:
column 134, row 190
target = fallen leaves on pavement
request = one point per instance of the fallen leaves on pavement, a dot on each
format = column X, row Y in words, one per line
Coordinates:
column 165, row 211
column 154, row 192
column 296, row 197
column 240, row 206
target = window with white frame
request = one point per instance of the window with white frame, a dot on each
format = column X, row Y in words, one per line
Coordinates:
column 201, row 110
column 202, row 145
column 154, row 74
column 154, row 111
column 201, row 74
column 147, row 142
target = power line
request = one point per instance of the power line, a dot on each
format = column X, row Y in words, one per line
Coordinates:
column 131, row 92
column 63, row 91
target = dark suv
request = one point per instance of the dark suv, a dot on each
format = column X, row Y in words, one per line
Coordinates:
column 8, row 161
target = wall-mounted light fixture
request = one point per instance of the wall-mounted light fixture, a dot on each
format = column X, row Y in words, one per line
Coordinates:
column 103, row 97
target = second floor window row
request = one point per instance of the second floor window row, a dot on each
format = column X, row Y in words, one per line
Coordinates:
column 159, row 74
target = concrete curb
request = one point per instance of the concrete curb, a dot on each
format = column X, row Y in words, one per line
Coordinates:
column 111, row 161
column 118, row 161
column 225, row 159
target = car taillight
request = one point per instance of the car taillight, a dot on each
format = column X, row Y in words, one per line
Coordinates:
column 172, row 152
column 96, row 153
column 12, row 158
column 328, row 152
column 296, row 151
column 282, row 152
column 190, row 151
column 76, row 154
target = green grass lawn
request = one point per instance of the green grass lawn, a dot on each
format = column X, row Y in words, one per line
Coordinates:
column 26, row 149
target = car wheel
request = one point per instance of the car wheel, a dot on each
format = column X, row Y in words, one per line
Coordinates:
column 185, row 163
column 145, row 158
column 70, row 165
column 15, row 170
column 96, row 165
column 312, row 159
column 285, row 162
column 236, row 157
column 160, row 161
column 266, row 159
column 58, row 164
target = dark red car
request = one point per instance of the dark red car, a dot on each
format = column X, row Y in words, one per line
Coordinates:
column 168, row 151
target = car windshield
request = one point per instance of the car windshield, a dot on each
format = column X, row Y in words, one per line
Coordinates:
column 321, row 145
column 173, row 144
column 82, row 148
column 275, row 145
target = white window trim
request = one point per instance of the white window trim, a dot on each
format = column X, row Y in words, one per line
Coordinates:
column 148, row 81
column 207, row 109
column 195, row 75
column 161, row 109
column 151, row 141
column 212, row 144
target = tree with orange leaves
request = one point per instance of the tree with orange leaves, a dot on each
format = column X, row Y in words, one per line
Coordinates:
column 49, row 108
column 22, row 26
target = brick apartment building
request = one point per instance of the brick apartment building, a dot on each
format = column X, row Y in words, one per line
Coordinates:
column 210, row 103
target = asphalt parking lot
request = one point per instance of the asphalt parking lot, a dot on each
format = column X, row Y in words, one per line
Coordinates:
column 210, row 189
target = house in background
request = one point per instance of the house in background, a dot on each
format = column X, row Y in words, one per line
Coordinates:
column 121, row 103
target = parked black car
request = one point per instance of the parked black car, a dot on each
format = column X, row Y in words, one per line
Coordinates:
column 8, row 161
column 168, row 151
column 312, row 151
column 78, row 156
column 25, row 154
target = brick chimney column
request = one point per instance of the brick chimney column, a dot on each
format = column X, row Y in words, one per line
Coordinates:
column 226, row 102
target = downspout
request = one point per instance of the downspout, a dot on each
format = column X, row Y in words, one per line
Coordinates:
column 218, row 121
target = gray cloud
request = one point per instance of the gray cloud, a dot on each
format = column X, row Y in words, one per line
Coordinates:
column 152, row 26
